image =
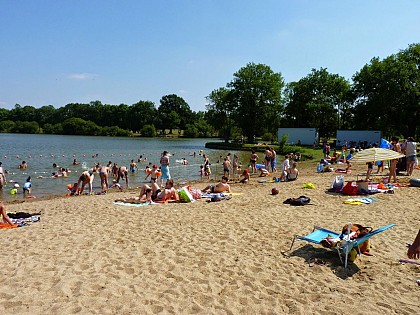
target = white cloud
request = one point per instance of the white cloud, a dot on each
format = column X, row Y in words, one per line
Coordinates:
column 182, row 92
column 82, row 76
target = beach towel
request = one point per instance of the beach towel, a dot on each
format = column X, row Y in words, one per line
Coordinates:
column 359, row 201
column 4, row 225
column 128, row 204
column 308, row 185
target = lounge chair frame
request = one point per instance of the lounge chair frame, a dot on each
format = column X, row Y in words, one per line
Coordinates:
column 319, row 233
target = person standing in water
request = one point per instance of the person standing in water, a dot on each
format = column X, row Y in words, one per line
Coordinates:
column 164, row 165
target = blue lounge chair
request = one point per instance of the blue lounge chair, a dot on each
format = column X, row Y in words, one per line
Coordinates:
column 345, row 246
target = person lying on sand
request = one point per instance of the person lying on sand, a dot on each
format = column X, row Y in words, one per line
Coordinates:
column 220, row 187
column 169, row 193
column 146, row 197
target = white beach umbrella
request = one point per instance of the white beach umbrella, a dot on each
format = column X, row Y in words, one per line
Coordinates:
column 375, row 154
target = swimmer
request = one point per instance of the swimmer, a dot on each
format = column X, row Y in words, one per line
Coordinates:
column 23, row 165
column 133, row 166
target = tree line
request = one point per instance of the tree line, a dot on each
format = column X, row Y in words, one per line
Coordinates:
column 383, row 95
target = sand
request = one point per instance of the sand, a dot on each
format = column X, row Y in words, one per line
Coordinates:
column 90, row 256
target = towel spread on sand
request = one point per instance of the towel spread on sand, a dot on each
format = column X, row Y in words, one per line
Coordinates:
column 359, row 201
column 128, row 204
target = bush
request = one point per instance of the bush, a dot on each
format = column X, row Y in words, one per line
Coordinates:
column 148, row 131
column 267, row 137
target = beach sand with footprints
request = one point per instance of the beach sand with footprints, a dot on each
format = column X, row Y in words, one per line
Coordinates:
column 88, row 255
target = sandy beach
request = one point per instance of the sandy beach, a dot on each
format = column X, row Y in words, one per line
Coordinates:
column 90, row 256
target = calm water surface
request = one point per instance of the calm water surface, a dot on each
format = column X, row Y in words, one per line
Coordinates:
column 41, row 151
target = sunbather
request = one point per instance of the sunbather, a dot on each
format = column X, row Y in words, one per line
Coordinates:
column 220, row 187
column 146, row 197
column 169, row 193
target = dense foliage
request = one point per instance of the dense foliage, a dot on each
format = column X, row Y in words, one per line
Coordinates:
column 384, row 95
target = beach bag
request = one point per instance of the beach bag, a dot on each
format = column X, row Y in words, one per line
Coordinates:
column 349, row 189
column 338, row 183
column 185, row 195
column 196, row 193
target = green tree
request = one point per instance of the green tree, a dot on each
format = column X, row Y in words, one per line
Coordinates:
column 46, row 115
column 78, row 126
column 316, row 101
column 25, row 127
column 256, row 99
column 174, row 103
column 4, row 114
column 142, row 113
column 388, row 93
column 7, row 126
column 220, row 112
column 56, row 129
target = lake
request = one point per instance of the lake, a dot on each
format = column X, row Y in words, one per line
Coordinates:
column 42, row 151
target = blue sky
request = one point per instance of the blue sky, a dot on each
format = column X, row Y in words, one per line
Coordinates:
column 55, row 52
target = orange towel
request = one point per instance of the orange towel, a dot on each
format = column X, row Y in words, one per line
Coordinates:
column 4, row 225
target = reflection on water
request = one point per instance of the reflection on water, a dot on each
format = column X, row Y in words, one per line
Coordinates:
column 42, row 151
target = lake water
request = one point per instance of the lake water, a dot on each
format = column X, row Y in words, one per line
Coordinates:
column 41, row 151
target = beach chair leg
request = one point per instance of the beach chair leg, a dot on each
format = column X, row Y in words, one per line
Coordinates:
column 339, row 255
column 293, row 242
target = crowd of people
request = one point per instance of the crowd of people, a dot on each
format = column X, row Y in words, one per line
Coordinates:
column 166, row 191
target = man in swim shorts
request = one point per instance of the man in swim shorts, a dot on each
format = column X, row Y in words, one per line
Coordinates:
column 222, row 186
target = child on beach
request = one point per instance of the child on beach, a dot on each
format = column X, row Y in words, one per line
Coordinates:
column 245, row 177
column 154, row 174
column 115, row 185
column 286, row 166
column 207, row 171
column 264, row 172
column 27, row 186
column 202, row 173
